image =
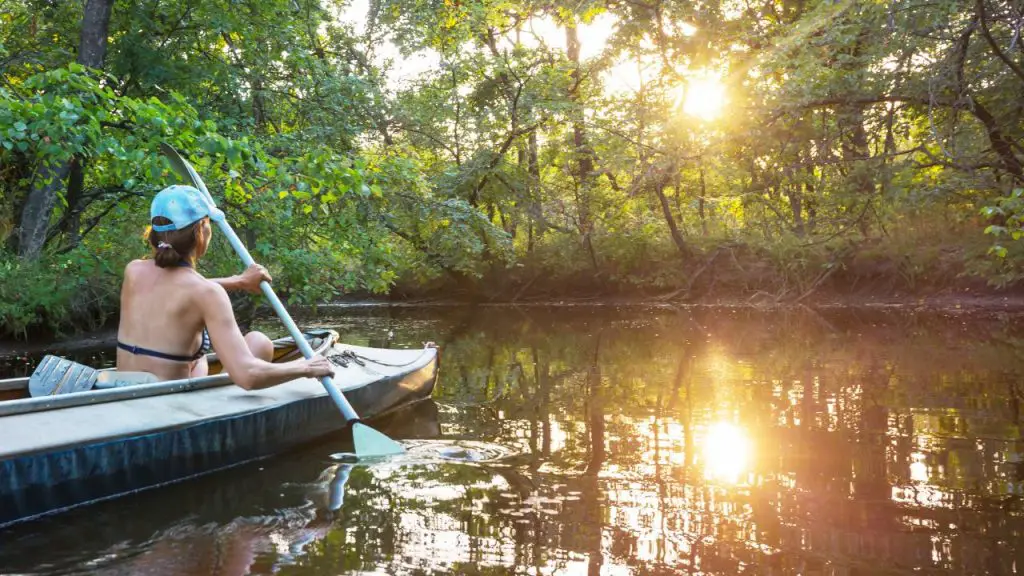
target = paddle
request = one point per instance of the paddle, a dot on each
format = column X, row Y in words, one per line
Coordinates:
column 368, row 442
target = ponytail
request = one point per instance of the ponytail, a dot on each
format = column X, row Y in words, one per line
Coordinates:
column 166, row 256
column 174, row 247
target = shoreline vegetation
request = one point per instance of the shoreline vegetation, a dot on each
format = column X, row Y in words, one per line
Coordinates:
column 679, row 152
column 929, row 277
column 979, row 303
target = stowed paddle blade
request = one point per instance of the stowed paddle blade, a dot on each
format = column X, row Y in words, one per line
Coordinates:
column 369, row 442
column 55, row 375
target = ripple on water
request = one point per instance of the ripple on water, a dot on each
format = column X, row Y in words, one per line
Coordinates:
column 423, row 452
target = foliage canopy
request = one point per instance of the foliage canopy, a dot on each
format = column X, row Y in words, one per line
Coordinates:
column 491, row 143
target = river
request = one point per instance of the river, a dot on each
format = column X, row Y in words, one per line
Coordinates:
column 619, row 440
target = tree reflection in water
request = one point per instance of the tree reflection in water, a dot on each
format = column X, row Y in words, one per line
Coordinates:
column 714, row 441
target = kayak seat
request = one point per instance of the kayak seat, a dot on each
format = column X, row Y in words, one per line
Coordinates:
column 120, row 378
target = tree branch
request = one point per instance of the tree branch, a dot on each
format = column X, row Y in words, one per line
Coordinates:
column 428, row 136
column 96, row 219
column 980, row 7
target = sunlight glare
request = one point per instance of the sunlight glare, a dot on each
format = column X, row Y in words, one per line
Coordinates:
column 686, row 29
column 704, row 97
column 726, row 452
column 593, row 35
column 918, row 468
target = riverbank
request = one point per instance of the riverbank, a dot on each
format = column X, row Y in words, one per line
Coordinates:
column 928, row 271
column 975, row 302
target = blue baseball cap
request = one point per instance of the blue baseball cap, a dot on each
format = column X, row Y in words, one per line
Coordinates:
column 182, row 205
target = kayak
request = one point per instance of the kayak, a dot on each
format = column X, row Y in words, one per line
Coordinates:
column 286, row 497
column 63, row 451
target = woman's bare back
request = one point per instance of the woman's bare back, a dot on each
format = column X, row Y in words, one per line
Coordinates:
column 160, row 312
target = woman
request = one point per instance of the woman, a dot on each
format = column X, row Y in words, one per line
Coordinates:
column 167, row 308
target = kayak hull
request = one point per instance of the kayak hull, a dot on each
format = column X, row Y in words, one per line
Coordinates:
column 190, row 442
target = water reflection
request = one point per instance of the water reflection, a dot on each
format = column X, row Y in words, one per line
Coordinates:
column 716, row 441
column 726, row 451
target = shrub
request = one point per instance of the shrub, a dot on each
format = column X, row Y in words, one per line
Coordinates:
column 76, row 289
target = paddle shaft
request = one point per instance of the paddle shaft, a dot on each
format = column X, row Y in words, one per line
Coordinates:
column 275, row 302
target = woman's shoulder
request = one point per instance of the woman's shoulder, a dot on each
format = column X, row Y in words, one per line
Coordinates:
column 197, row 284
column 201, row 288
column 136, row 266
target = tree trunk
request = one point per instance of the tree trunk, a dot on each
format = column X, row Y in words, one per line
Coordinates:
column 855, row 150
column 678, row 197
column 703, row 194
column 796, row 205
column 1001, row 144
column 677, row 237
column 584, row 156
column 92, row 47
column 259, row 114
column 809, row 201
column 49, row 177
column 35, row 217
column 533, row 167
column 76, row 203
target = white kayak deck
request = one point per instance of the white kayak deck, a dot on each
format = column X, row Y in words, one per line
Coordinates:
column 54, row 429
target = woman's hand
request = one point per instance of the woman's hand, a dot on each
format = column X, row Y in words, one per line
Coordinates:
column 251, row 278
column 319, row 366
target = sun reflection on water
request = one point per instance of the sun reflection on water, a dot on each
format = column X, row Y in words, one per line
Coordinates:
column 726, row 452
column 918, row 468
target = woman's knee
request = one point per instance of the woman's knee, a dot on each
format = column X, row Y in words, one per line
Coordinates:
column 260, row 345
column 200, row 368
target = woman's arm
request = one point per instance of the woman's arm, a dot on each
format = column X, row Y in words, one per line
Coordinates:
column 246, row 370
column 248, row 281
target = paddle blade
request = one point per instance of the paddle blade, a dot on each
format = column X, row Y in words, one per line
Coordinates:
column 56, row 375
column 369, row 442
column 183, row 168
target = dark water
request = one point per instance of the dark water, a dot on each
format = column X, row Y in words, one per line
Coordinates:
column 604, row 441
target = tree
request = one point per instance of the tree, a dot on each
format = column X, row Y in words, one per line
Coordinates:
column 50, row 173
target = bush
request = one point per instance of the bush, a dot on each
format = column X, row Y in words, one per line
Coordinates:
column 77, row 289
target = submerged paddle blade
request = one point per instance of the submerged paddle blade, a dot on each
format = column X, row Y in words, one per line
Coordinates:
column 369, row 442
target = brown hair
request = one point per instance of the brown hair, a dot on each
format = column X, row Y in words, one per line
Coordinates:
column 173, row 247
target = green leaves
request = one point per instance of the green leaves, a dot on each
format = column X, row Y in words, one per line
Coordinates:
column 1009, row 210
column 68, row 112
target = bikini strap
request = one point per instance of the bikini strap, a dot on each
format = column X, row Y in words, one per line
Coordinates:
column 140, row 351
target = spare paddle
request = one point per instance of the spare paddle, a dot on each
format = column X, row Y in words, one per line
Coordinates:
column 55, row 375
column 368, row 442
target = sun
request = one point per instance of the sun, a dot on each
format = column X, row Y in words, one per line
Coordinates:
column 704, row 97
